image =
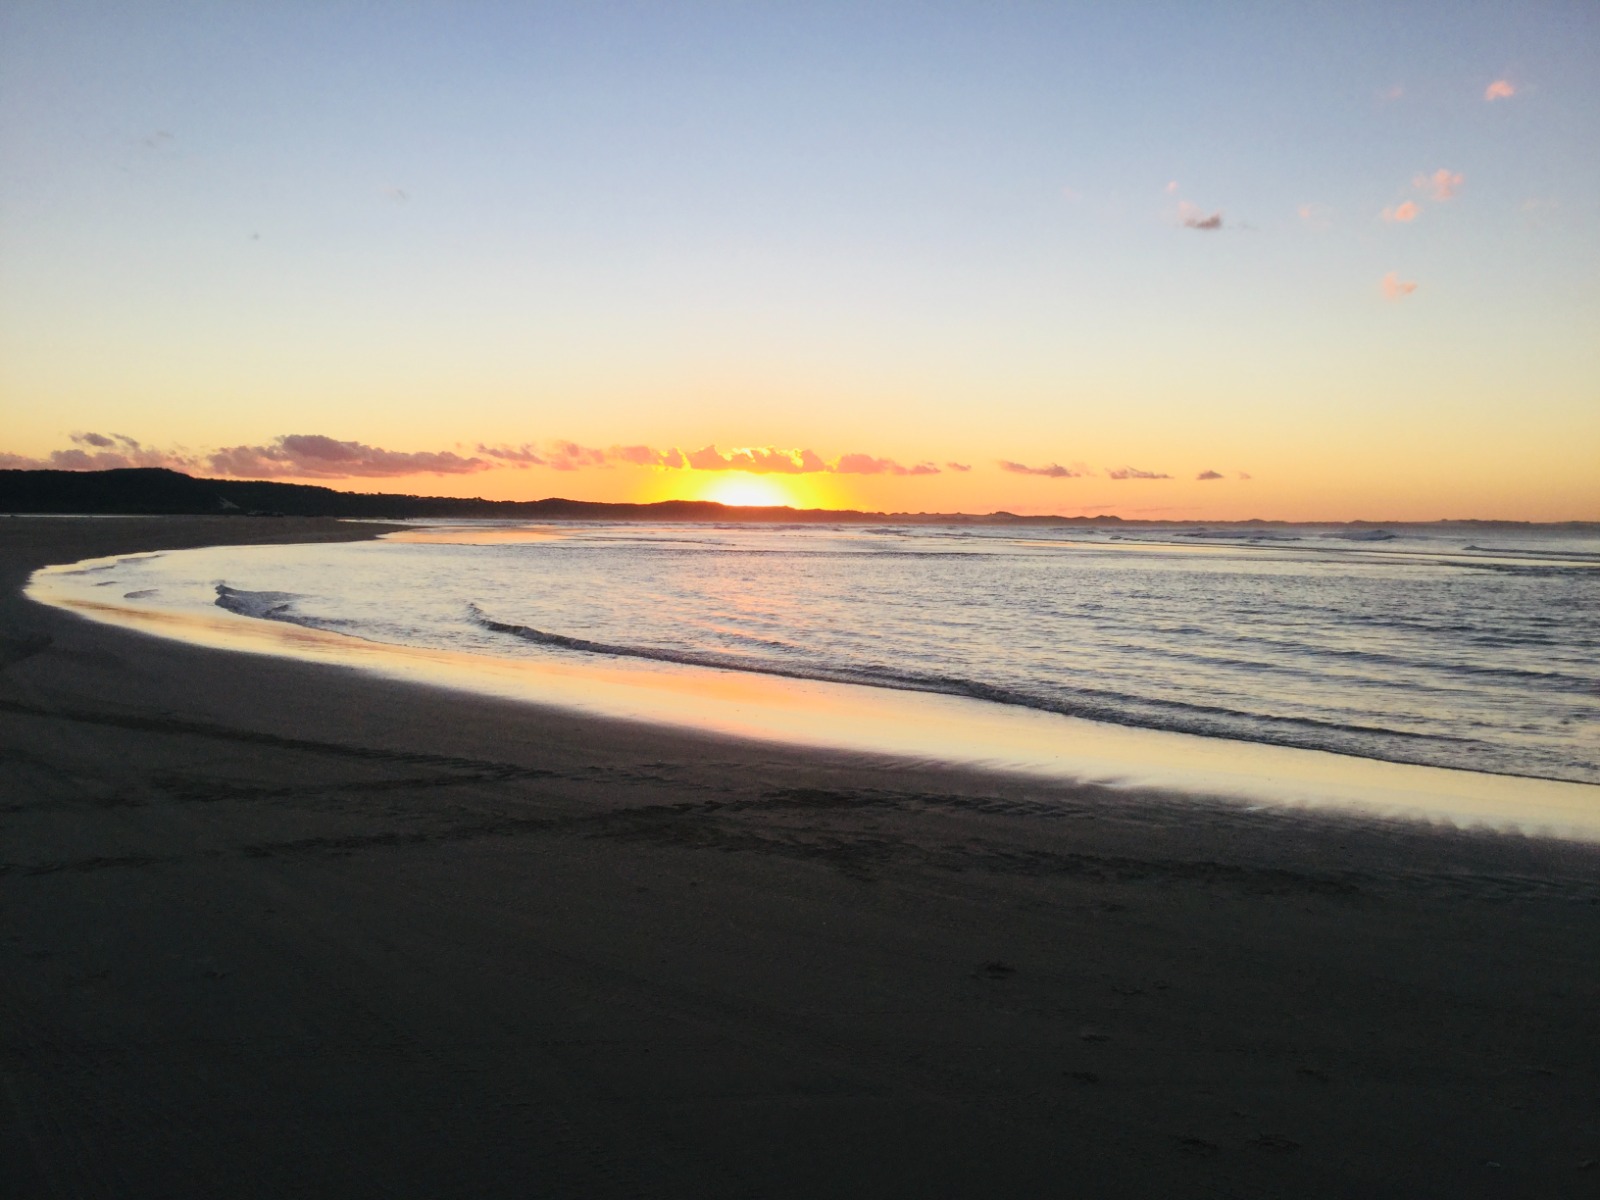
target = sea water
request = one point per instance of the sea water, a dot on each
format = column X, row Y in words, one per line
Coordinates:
column 1460, row 646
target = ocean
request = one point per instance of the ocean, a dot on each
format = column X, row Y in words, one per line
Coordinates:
column 1467, row 647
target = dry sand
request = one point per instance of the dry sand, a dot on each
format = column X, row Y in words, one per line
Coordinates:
column 273, row 929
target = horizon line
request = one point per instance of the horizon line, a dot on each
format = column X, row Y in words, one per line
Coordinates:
column 776, row 512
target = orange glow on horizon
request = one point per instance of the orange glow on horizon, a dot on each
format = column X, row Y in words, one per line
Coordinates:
column 1314, row 484
column 746, row 489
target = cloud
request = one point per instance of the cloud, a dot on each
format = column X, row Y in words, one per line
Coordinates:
column 760, row 460
column 1209, row 475
column 1314, row 215
column 1408, row 210
column 1500, row 89
column 866, row 464
column 102, row 452
column 1395, row 288
column 1194, row 217
column 1392, row 93
column 645, row 456
column 1245, row 475
column 1134, row 473
column 1441, row 185
column 569, row 456
column 1172, row 187
column 522, row 456
column 1049, row 470
column 314, row 456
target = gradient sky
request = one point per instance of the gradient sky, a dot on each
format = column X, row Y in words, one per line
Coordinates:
column 516, row 250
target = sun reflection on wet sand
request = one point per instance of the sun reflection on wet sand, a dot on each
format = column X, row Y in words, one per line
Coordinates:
column 921, row 726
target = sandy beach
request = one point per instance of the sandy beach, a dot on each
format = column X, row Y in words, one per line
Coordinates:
column 273, row 928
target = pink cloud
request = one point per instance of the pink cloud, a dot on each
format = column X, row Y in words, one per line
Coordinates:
column 1441, row 185
column 1209, row 475
column 1049, row 470
column 1395, row 288
column 1406, row 211
column 1500, row 89
column 102, row 452
column 1392, row 93
column 963, row 468
column 645, row 456
column 314, row 456
column 1314, row 215
column 569, row 456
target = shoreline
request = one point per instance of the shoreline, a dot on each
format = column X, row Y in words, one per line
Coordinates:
column 272, row 927
column 963, row 733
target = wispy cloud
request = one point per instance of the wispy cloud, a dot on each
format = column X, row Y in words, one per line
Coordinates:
column 1209, row 475
column 1441, row 185
column 760, row 460
column 963, row 468
column 1407, row 210
column 1395, row 288
column 1049, row 470
column 1314, row 215
column 866, row 464
column 517, row 456
column 1134, row 473
column 314, row 456
column 1245, row 475
column 569, row 456
column 1392, row 93
column 646, row 456
column 1194, row 217
column 1500, row 89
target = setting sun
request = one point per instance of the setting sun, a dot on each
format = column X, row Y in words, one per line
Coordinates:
column 747, row 490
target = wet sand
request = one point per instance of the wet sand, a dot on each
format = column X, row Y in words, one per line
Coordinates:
column 273, row 928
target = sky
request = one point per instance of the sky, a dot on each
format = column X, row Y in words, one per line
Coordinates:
column 1170, row 261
